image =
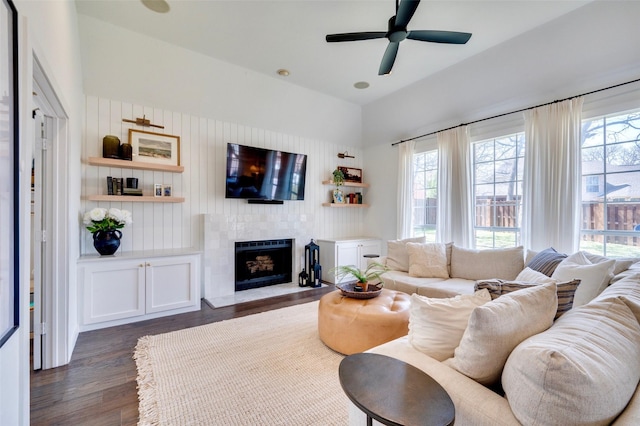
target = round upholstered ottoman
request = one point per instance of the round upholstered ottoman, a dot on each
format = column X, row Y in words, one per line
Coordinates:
column 350, row 325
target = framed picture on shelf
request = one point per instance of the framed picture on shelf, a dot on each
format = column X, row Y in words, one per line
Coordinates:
column 351, row 174
column 166, row 191
column 9, row 247
column 150, row 147
column 157, row 190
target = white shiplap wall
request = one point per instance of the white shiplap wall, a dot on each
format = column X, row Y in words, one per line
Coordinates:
column 203, row 142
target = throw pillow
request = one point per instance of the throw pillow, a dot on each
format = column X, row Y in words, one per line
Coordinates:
column 486, row 264
column 427, row 260
column 546, row 261
column 594, row 277
column 397, row 255
column 436, row 325
column 565, row 291
column 583, row 370
column 497, row 327
column 531, row 276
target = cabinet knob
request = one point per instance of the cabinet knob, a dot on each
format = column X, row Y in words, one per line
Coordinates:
column 148, row 264
column 141, row 266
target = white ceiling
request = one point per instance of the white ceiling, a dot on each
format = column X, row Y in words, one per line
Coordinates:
column 266, row 35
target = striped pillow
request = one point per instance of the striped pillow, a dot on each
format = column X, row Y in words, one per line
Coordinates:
column 566, row 291
column 546, row 261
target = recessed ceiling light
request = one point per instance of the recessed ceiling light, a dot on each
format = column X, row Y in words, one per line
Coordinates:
column 361, row 85
column 160, row 6
column 283, row 72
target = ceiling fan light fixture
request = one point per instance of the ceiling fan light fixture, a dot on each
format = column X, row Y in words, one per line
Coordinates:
column 361, row 85
column 160, row 6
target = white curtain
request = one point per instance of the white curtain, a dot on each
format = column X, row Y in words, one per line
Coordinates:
column 454, row 222
column 552, row 177
column 405, row 190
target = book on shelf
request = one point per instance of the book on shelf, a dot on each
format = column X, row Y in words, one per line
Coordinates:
column 109, row 185
column 132, row 191
column 118, row 186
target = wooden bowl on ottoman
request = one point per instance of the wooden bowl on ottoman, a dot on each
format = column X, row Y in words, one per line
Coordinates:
column 349, row 325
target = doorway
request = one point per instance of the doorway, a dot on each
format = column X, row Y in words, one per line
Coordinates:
column 49, row 136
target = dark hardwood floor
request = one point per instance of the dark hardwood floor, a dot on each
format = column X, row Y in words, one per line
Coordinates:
column 98, row 386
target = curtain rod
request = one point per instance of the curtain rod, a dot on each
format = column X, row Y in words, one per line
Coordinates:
column 514, row 112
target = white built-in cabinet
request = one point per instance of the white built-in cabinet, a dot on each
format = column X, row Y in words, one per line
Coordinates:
column 346, row 251
column 120, row 289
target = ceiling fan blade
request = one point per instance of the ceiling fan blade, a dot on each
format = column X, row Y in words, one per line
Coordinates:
column 388, row 58
column 333, row 38
column 450, row 37
column 405, row 12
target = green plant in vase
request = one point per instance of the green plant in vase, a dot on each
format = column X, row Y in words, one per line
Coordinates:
column 365, row 277
column 338, row 179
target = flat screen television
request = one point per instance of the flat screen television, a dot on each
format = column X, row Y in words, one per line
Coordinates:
column 264, row 174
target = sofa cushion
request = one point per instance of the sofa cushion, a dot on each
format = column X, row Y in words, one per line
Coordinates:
column 428, row 260
column 397, row 254
column 583, row 370
column 436, row 325
column 621, row 264
column 565, row 291
column 594, row 277
column 497, row 327
column 546, row 261
column 471, row 264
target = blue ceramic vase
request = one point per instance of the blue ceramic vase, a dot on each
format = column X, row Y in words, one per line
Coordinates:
column 107, row 242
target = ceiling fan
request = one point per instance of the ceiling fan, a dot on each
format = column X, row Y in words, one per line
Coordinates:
column 398, row 31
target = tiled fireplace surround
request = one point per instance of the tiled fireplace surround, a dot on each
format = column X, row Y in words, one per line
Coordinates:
column 222, row 231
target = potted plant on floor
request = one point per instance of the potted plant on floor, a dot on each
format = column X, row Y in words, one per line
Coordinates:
column 370, row 275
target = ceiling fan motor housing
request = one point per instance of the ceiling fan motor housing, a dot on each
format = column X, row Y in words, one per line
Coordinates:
column 395, row 34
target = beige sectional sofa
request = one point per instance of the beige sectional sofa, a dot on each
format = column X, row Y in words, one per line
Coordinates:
column 580, row 369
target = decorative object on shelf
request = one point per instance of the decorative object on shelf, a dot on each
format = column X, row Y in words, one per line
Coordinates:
column 126, row 151
column 105, row 225
column 355, row 291
column 345, row 155
column 167, row 190
column 363, row 277
column 142, row 122
column 132, row 183
column 157, row 189
column 338, row 179
column 351, row 174
column 312, row 255
column 150, row 147
column 111, row 146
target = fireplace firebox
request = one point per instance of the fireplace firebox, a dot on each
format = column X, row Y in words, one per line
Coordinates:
column 263, row 263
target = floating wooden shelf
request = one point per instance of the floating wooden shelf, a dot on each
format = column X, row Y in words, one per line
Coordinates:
column 138, row 165
column 345, row 205
column 352, row 184
column 135, row 199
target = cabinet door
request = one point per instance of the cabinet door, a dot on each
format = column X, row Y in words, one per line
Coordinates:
column 368, row 247
column 171, row 283
column 112, row 291
column 347, row 254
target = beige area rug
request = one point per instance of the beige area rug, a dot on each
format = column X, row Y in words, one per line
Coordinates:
column 264, row 369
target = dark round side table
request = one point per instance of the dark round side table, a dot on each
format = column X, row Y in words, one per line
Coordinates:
column 394, row 392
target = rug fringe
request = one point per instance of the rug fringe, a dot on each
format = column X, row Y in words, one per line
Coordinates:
column 148, row 407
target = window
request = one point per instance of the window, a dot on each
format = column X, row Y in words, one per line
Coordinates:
column 611, row 163
column 425, row 194
column 497, row 191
